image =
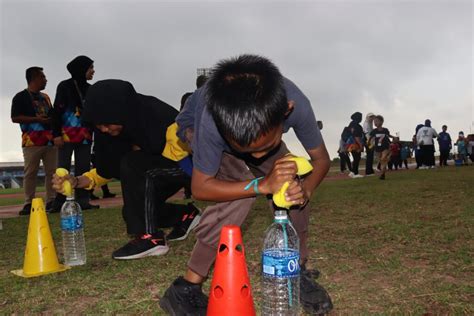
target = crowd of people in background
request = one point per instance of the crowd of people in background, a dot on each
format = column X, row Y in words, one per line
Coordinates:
column 394, row 154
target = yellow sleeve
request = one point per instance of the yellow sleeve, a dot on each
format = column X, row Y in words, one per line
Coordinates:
column 175, row 149
column 96, row 180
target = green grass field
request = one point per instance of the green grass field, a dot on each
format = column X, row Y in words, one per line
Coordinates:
column 402, row 246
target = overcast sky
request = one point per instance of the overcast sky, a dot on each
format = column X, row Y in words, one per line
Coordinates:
column 405, row 60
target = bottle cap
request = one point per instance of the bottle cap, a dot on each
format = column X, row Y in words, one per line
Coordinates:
column 281, row 215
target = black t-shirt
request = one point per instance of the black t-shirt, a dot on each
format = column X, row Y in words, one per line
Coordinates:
column 32, row 104
column 382, row 142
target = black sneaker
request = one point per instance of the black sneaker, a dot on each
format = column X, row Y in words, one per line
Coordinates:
column 184, row 298
column 26, row 210
column 143, row 246
column 314, row 298
column 188, row 222
column 93, row 197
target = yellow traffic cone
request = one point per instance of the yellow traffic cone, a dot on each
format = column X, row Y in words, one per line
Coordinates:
column 40, row 253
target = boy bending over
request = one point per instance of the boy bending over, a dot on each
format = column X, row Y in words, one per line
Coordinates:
column 235, row 124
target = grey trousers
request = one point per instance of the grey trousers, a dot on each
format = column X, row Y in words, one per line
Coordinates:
column 234, row 212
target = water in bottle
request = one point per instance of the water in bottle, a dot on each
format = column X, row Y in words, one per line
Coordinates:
column 281, row 270
column 74, row 248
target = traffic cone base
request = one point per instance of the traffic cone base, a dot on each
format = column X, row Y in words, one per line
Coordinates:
column 20, row 272
column 40, row 253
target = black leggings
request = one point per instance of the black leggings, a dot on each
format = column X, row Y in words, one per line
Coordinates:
column 147, row 182
column 355, row 164
column 345, row 161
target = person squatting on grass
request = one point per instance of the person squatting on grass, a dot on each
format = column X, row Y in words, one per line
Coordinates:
column 380, row 139
column 235, row 124
column 136, row 142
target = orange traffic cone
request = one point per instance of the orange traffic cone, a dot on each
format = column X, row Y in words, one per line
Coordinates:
column 40, row 254
column 230, row 287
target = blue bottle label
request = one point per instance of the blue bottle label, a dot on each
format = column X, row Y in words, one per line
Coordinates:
column 281, row 263
column 71, row 223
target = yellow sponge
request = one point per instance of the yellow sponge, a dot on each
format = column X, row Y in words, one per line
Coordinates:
column 304, row 167
column 67, row 188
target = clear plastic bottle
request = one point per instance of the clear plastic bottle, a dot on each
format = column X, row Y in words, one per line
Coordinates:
column 74, row 248
column 281, row 270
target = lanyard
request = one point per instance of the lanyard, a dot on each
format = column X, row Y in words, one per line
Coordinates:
column 78, row 109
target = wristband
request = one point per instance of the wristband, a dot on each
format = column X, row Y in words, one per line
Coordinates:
column 253, row 183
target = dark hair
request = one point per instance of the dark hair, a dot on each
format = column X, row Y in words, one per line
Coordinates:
column 201, row 80
column 379, row 117
column 32, row 72
column 357, row 116
column 444, row 126
column 246, row 98
column 184, row 98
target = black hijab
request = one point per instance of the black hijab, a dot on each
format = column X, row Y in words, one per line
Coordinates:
column 110, row 102
column 357, row 117
column 145, row 119
column 78, row 68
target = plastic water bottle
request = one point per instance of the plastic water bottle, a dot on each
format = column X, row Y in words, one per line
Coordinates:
column 281, row 270
column 74, row 248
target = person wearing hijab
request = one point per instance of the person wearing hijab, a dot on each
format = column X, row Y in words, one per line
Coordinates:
column 136, row 142
column 70, row 134
column 424, row 137
column 358, row 135
column 368, row 128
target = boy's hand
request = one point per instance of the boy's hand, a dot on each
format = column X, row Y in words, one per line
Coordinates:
column 283, row 170
column 296, row 193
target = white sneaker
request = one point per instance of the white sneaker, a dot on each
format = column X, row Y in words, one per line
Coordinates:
column 351, row 174
column 432, row 167
column 357, row 176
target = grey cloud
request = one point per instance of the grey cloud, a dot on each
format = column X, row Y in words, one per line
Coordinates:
column 345, row 56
